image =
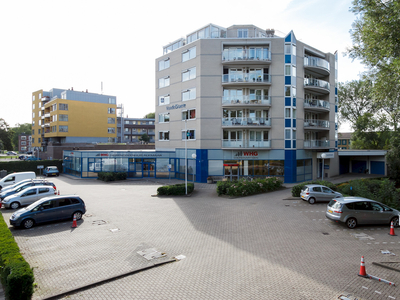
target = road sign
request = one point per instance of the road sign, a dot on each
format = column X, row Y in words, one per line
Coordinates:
column 40, row 167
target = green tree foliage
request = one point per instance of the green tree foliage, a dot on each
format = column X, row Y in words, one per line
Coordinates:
column 150, row 116
column 393, row 159
column 20, row 129
column 5, row 135
column 144, row 138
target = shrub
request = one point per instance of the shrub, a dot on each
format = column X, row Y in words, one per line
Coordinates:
column 242, row 187
column 111, row 176
column 296, row 190
column 176, row 189
column 16, row 274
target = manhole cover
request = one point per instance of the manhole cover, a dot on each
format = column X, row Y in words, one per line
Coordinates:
column 325, row 233
column 99, row 222
column 151, row 253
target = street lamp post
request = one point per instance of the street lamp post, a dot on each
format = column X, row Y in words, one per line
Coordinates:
column 323, row 155
column 186, row 157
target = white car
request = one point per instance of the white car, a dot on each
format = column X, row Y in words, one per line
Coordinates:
column 28, row 196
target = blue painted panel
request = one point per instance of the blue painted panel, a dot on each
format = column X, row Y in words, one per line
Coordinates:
column 287, row 101
column 378, row 167
column 290, row 166
column 294, row 123
column 294, row 102
column 288, row 79
column 201, row 165
column 335, row 144
column 336, row 91
column 288, row 59
column 288, row 123
column 288, row 38
column 288, row 144
column 294, row 144
column 336, row 109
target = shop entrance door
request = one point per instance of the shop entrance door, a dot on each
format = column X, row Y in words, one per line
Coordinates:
column 149, row 166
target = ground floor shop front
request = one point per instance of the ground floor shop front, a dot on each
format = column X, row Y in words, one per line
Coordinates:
column 198, row 164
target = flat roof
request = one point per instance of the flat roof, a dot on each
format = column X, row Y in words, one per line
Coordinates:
column 357, row 152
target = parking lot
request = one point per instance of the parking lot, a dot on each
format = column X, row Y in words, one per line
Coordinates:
column 268, row 246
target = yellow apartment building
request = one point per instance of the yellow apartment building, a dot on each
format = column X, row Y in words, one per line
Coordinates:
column 67, row 116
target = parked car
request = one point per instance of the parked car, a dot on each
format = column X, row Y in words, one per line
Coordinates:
column 28, row 196
column 357, row 210
column 13, row 178
column 49, row 209
column 25, row 185
column 22, row 157
column 51, row 171
column 32, row 158
column 11, row 153
column 317, row 193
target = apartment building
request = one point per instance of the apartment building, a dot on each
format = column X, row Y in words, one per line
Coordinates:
column 62, row 116
column 344, row 140
column 243, row 101
column 130, row 130
column 24, row 143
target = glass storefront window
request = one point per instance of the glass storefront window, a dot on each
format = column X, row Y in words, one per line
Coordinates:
column 162, row 167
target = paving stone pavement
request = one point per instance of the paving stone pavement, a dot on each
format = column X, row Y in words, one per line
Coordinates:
column 257, row 247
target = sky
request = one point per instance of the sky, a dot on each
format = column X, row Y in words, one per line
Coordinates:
column 88, row 44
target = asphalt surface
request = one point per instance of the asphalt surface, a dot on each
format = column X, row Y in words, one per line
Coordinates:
column 269, row 246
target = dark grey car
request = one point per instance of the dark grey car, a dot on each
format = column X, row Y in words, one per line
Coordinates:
column 49, row 209
column 357, row 210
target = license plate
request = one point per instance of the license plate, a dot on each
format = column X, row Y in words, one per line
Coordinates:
column 302, row 197
column 330, row 211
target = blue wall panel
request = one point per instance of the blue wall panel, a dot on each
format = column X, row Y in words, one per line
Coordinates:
column 201, row 165
column 288, row 123
column 290, row 166
column 378, row 167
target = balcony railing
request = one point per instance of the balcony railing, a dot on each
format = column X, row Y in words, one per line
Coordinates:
column 248, row 99
column 246, row 122
column 246, row 55
column 316, row 123
column 312, row 82
column 316, row 103
column 313, row 61
column 316, row 144
column 253, row 78
column 245, row 144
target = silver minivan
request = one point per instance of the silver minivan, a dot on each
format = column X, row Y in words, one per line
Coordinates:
column 28, row 196
column 357, row 210
column 316, row 192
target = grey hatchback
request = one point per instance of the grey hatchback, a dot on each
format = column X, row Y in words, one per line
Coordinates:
column 316, row 192
column 357, row 210
column 49, row 209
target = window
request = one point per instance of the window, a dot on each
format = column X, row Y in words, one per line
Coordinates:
column 33, row 140
column 189, row 54
column 54, row 107
column 111, row 130
column 189, row 134
column 344, row 142
column 164, row 136
column 163, row 82
column 287, row 91
column 111, row 110
column 43, row 190
column 53, row 128
column 287, row 134
column 40, row 95
column 110, row 120
column 40, row 122
column 33, row 115
column 39, row 131
column 189, row 74
column 62, row 106
column 23, row 137
column 54, row 118
column 40, row 104
column 189, row 94
column 62, row 128
column 39, row 139
column 112, row 101
column 33, row 97
column 189, row 114
column 339, row 142
column 63, row 118
column 163, row 64
column 163, row 118
column 287, row 112
column 163, row 100
column 33, row 106
column 33, row 131
column 126, row 129
column 64, row 202
column 243, row 33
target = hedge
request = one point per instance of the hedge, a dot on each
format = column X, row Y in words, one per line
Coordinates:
column 112, row 176
column 30, row 165
column 176, row 189
column 243, row 187
column 16, row 274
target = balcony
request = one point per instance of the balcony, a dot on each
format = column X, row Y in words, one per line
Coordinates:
column 248, row 122
column 316, row 144
column 246, row 56
column 317, row 105
column 243, row 144
column 247, row 100
column 246, row 79
column 47, row 115
column 317, row 65
column 317, row 85
column 316, row 124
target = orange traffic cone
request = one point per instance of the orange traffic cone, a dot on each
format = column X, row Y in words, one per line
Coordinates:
column 362, row 273
column 391, row 229
column 58, row 192
column 74, row 225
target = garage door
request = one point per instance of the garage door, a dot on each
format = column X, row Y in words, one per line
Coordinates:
column 358, row 166
column 378, row 167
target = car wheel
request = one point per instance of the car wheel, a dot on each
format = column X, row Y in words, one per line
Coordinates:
column 57, row 174
column 395, row 221
column 78, row 215
column 14, row 205
column 28, row 223
column 311, row 200
column 351, row 223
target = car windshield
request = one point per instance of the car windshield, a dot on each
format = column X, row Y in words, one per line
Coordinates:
column 32, row 206
column 334, row 204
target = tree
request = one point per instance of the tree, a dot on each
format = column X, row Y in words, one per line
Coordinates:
column 393, row 159
column 5, row 135
column 355, row 100
column 144, row 138
column 20, row 129
column 150, row 116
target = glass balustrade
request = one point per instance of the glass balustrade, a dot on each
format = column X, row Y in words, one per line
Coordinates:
column 316, row 103
column 247, row 99
column 316, row 143
column 246, row 122
column 312, row 82
column 316, row 123
column 246, row 77
column 256, row 54
column 313, row 61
